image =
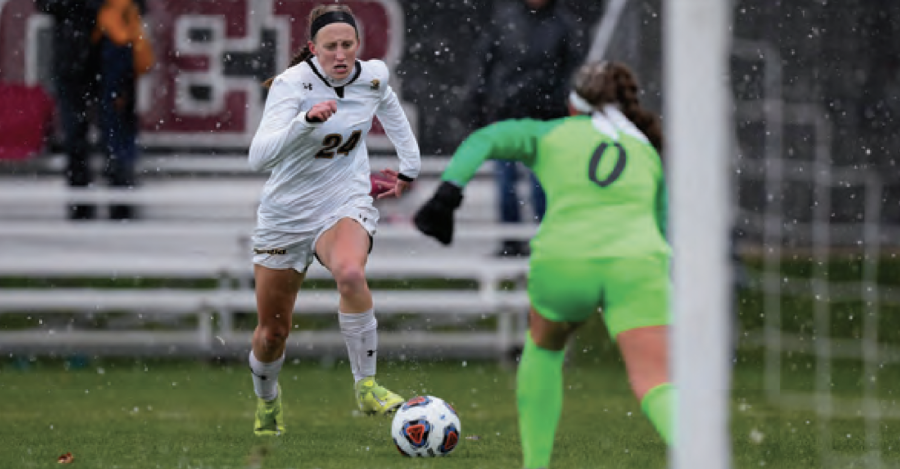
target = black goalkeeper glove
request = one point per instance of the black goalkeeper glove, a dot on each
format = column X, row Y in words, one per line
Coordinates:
column 435, row 218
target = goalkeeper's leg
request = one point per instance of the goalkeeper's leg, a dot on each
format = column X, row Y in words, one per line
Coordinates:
column 539, row 388
column 645, row 351
column 637, row 315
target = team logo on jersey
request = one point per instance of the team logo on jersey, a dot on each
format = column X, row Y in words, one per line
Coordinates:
column 376, row 84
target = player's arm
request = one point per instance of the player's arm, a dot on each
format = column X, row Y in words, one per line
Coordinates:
column 514, row 140
column 281, row 124
column 396, row 126
column 510, row 140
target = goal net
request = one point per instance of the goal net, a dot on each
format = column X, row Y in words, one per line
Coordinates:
column 813, row 235
column 813, row 212
column 813, row 227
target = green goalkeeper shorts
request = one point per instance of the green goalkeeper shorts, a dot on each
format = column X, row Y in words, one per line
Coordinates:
column 632, row 292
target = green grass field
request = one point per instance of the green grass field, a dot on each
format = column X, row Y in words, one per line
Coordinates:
column 189, row 414
column 155, row 414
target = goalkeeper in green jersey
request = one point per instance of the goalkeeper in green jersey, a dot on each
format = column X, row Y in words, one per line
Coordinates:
column 602, row 243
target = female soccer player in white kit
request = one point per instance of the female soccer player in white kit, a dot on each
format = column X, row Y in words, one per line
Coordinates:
column 316, row 202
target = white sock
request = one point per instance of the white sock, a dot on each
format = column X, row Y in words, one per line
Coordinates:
column 361, row 335
column 265, row 377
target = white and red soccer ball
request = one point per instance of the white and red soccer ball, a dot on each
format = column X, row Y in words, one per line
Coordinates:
column 426, row 426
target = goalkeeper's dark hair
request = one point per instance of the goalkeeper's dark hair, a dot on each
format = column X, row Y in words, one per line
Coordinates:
column 602, row 83
column 305, row 53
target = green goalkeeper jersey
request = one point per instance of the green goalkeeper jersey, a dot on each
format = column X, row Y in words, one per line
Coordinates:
column 606, row 194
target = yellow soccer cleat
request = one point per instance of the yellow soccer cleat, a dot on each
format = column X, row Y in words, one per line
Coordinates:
column 269, row 417
column 374, row 399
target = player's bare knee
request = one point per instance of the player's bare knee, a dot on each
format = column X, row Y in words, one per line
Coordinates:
column 351, row 279
column 275, row 336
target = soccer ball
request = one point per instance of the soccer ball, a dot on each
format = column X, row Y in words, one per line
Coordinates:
column 426, row 426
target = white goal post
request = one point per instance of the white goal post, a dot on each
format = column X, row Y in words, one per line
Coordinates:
column 698, row 129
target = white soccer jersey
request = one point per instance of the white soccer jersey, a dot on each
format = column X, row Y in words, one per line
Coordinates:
column 317, row 168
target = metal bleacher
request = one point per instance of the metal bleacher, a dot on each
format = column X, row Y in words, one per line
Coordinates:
column 178, row 281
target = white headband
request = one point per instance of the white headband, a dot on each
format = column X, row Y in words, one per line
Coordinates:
column 580, row 104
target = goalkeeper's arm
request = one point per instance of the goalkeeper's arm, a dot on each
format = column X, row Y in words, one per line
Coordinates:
column 511, row 140
column 514, row 140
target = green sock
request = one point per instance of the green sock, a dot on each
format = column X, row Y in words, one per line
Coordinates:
column 659, row 406
column 539, row 392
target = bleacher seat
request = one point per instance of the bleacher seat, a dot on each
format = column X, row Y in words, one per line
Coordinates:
column 199, row 229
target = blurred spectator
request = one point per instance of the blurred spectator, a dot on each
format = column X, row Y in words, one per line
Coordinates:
column 75, row 68
column 523, row 61
column 124, row 53
column 94, row 71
